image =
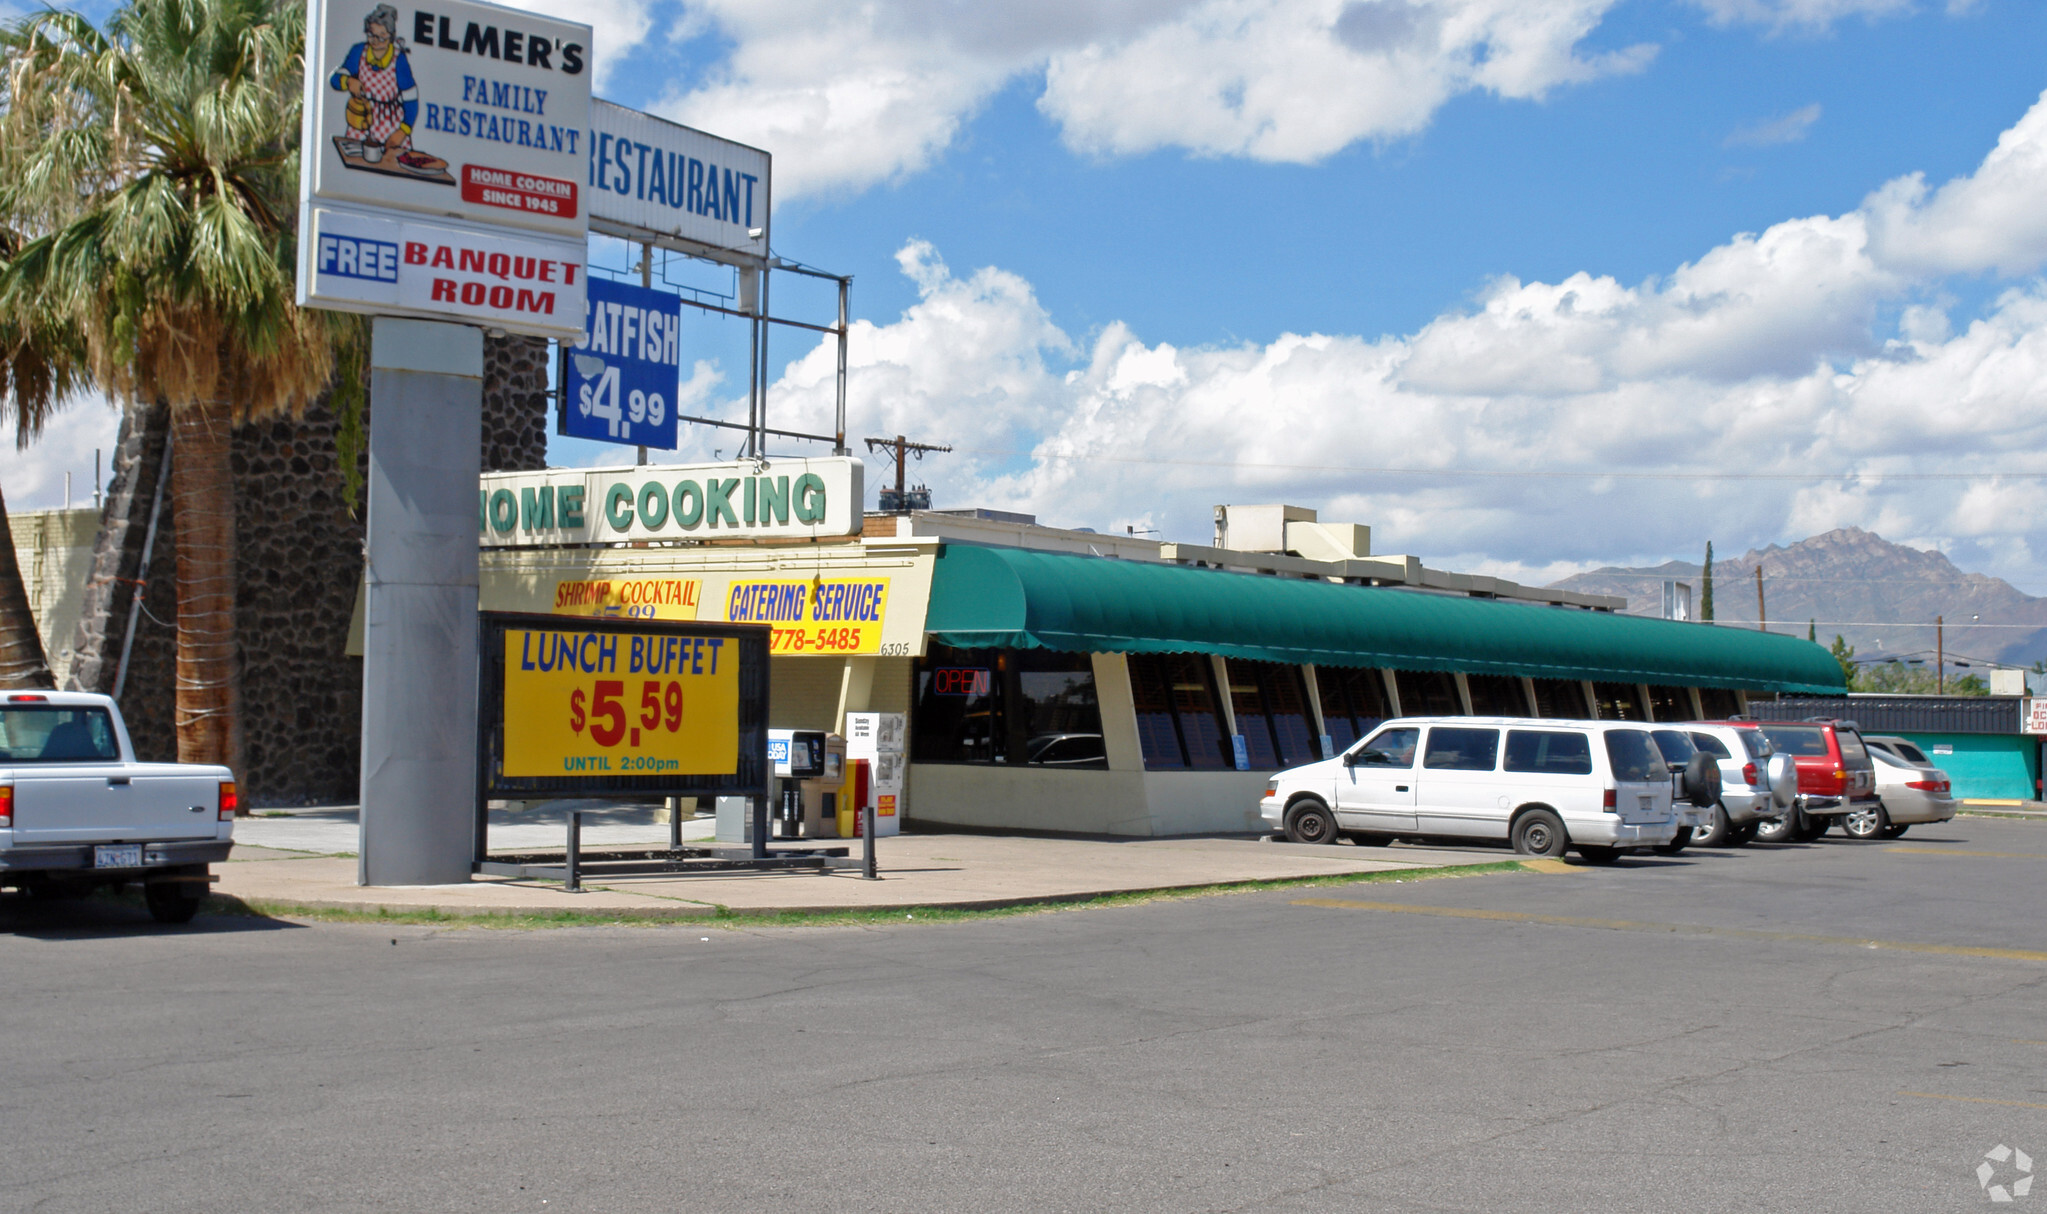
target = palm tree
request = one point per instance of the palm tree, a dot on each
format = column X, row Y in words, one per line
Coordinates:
column 153, row 162
column 38, row 372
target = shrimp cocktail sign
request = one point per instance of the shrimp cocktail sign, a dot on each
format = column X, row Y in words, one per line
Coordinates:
column 445, row 164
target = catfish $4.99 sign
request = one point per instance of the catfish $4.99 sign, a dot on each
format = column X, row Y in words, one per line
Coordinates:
column 596, row 703
column 619, row 381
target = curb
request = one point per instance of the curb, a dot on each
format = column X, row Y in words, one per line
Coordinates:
column 282, row 908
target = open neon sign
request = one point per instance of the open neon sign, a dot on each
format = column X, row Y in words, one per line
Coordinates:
column 961, row 681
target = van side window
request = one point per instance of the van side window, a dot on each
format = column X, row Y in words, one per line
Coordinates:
column 1548, row 753
column 1390, row 748
column 1634, row 757
column 1459, row 749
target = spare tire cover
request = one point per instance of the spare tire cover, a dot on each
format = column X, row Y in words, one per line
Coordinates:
column 1702, row 779
column 1783, row 770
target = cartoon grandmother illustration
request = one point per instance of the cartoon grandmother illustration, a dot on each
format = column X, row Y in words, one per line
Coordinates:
column 383, row 104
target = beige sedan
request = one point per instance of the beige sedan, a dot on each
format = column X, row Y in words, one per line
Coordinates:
column 1910, row 790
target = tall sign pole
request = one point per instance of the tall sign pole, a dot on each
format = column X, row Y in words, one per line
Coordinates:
column 442, row 191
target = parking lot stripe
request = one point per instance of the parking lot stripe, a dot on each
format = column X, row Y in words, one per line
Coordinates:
column 2010, row 1104
column 1688, row 929
column 1942, row 851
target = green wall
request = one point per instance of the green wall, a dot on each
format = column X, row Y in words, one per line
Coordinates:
column 1998, row 766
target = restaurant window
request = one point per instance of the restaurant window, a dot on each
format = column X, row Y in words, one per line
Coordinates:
column 1561, row 700
column 1179, row 726
column 1496, row 695
column 1022, row 707
column 1353, row 702
column 1670, row 703
column 1271, row 703
column 1719, row 703
column 1619, row 702
column 1428, row 693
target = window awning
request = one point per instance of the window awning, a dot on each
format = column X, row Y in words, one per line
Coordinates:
column 1016, row 598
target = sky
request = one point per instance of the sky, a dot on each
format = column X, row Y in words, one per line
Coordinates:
column 1529, row 286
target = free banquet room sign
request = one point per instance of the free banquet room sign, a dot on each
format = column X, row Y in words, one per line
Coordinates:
column 457, row 110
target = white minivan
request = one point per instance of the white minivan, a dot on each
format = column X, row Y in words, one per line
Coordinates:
column 1601, row 787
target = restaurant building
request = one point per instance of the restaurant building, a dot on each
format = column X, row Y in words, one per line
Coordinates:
column 1065, row 680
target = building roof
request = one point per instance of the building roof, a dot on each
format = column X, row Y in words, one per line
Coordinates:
column 988, row 597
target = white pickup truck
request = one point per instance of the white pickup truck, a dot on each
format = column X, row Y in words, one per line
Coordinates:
column 77, row 810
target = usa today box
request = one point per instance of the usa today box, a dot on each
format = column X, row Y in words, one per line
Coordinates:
column 781, row 498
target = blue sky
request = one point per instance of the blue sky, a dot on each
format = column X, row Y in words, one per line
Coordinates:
column 1141, row 256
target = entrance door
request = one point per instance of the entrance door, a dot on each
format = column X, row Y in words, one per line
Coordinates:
column 1376, row 789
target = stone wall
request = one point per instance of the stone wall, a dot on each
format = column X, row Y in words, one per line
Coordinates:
column 514, row 404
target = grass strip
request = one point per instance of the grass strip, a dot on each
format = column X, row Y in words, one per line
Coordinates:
column 711, row 914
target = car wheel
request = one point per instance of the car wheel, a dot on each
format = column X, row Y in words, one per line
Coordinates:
column 1309, row 821
column 1678, row 844
column 1892, row 832
column 1600, row 855
column 173, row 901
column 1866, row 822
column 1540, row 833
column 1778, row 830
column 1714, row 832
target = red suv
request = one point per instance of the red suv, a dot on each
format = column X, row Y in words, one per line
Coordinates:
column 1834, row 772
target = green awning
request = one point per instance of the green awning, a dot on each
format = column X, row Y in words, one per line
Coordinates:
column 1015, row 598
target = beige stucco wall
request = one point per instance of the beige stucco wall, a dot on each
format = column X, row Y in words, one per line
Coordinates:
column 1029, row 798
column 54, row 550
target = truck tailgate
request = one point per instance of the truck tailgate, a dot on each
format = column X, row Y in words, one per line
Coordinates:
column 93, row 802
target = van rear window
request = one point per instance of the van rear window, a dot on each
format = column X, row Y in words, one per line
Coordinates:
column 1806, row 741
column 1634, row 757
column 1550, row 753
column 57, row 735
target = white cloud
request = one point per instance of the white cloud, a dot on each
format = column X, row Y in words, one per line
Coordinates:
column 1786, row 128
column 848, row 96
column 34, row 479
column 1991, row 219
column 1769, row 354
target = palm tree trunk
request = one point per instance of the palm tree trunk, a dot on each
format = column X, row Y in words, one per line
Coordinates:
column 202, row 493
column 22, row 663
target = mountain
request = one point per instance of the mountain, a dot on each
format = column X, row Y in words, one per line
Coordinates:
column 1882, row 597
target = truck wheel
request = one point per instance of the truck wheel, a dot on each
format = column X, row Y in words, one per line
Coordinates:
column 1741, row 836
column 1714, row 832
column 1309, row 821
column 173, row 901
column 1811, row 827
column 1676, row 845
column 1540, row 833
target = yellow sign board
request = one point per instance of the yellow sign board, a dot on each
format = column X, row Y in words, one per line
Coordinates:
column 829, row 617
column 615, row 704
column 652, row 598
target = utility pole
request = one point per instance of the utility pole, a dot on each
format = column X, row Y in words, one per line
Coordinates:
column 1939, row 655
column 1762, row 617
column 900, row 450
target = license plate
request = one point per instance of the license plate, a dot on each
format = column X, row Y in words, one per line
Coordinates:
column 120, row 855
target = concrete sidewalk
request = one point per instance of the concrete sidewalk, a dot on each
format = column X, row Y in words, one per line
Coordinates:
column 917, row 870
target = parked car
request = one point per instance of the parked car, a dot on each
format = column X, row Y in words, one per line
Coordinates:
column 1697, row 790
column 1745, row 801
column 77, row 811
column 1835, row 773
column 1599, row 787
column 1908, row 792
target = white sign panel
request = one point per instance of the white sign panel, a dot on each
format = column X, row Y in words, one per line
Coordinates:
column 650, row 176
column 357, row 262
column 790, row 498
column 2036, row 715
column 458, row 109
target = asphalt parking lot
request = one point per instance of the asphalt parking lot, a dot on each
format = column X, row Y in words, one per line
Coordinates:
column 1828, row 1026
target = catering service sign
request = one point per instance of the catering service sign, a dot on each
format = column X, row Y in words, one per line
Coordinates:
column 458, row 109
